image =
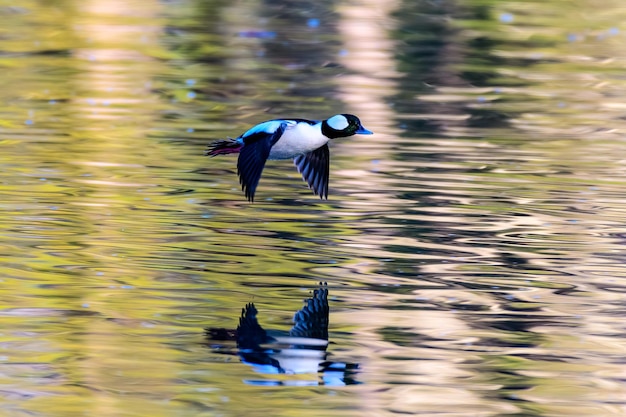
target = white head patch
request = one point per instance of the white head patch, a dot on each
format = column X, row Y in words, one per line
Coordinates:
column 338, row 122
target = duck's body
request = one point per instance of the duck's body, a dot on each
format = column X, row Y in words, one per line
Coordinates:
column 298, row 137
column 306, row 141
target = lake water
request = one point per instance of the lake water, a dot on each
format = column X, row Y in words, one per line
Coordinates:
column 474, row 247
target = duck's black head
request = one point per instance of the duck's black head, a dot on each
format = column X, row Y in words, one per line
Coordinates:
column 342, row 125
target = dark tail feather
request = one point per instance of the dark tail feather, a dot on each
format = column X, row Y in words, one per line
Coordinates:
column 223, row 147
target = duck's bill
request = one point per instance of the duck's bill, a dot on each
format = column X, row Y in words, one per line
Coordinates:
column 364, row 131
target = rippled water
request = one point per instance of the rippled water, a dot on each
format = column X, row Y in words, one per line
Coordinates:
column 473, row 247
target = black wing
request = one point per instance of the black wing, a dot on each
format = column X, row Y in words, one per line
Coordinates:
column 252, row 158
column 311, row 321
column 314, row 167
column 250, row 334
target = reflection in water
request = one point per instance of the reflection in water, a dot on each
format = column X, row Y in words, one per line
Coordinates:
column 303, row 350
column 449, row 75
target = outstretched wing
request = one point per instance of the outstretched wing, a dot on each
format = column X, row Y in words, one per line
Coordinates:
column 311, row 321
column 258, row 142
column 250, row 334
column 314, row 167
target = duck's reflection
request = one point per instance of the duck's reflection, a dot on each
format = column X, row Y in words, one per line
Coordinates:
column 301, row 351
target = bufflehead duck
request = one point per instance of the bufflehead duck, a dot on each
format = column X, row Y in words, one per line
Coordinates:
column 302, row 350
column 306, row 141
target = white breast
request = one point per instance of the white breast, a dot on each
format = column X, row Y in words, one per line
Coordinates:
column 297, row 139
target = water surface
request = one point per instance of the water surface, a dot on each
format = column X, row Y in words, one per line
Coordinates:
column 473, row 247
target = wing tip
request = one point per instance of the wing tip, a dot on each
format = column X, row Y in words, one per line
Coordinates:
column 249, row 169
column 314, row 168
